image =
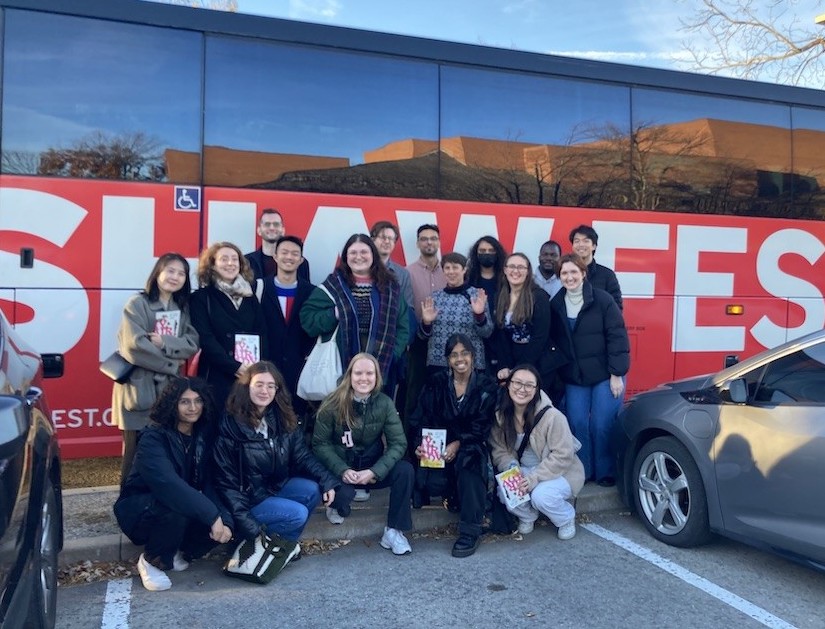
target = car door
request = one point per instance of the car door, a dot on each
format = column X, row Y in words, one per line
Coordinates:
column 770, row 455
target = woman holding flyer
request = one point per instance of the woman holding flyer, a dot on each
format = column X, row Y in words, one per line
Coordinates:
column 228, row 318
column 533, row 441
column 156, row 336
column 449, row 431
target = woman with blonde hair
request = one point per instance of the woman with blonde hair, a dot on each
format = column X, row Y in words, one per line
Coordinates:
column 351, row 427
column 228, row 318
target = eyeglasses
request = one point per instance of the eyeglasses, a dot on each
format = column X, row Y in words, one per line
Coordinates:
column 190, row 402
column 388, row 237
column 462, row 354
column 428, row 239
column 518, row 384
column 516, row 267
column 260, row 386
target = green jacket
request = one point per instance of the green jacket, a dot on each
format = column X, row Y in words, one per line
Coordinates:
column 377, row 416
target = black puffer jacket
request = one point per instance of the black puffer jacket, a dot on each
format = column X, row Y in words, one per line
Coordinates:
column 597, row 347
column 251, row 468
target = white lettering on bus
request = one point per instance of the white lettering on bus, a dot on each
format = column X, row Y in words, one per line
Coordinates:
column 641, row 236
column 66, row 418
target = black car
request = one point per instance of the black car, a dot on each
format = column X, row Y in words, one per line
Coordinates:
column 31, row 508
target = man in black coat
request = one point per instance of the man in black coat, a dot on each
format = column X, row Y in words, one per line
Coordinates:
column 262, row 260
column 585, row 240
column 283, row 295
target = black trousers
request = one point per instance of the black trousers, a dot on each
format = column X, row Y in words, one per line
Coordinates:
column 455, row 481
column 400, row 481
column 163, row 532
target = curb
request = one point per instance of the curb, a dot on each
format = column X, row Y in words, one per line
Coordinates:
column 367, row 520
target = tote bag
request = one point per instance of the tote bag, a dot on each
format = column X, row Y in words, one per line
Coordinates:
column 261, row 559
column 320, row 374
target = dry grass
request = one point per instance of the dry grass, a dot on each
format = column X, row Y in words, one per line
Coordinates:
column 98, row 472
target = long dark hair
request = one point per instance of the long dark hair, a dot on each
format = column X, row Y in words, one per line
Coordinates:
column 164, row 412
column 240, row 406
column 507, row 409
column 180, row 296
column 454, row 340
column 473, row 274
column 378, row 270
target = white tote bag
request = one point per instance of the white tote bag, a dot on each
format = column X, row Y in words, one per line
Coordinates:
column 321, row 373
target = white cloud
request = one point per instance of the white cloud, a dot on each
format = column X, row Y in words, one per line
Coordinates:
column 622, row 56
column 314, row 9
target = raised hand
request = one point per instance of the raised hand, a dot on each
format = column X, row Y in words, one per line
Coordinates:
column 428, row 311
column 479, row 302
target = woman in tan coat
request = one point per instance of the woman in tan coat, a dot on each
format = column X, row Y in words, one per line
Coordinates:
column 551, row 471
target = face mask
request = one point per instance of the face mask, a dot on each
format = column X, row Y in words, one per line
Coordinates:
column 487, row 259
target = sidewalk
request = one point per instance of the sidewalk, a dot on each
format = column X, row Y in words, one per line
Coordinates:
column 91, row 532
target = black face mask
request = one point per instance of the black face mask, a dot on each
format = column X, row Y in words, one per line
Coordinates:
column 487, row 259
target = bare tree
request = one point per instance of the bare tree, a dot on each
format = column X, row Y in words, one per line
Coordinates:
column 20, row 162
column 755, row 39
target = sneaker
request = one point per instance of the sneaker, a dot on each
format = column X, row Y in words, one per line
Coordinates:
column 525, row 527
column 333, row 516
column 362, row 495
column 395, row 541
column 465, row 545
column 154, row 579
column 179, row 564
column 567, row 531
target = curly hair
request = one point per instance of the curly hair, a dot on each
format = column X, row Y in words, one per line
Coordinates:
column 523, row 310
column 339, row 402
column 379, row 272
column 507, row 409
column 180, row 296
column 164, row 411
column 206, row 263
column 240, row 405
column 474, row 267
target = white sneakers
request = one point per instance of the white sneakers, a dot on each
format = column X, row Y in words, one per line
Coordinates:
column 361, row 495
column 179, row 564
column 525, row 527
column 394, row 540
column 154, row 579
column 567, row 531
column 333, row 516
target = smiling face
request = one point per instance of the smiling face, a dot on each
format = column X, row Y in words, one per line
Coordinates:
column 359, row 258
column 571, row 276
column 516, row 270
column 522, row 387
column 271, row 227
column 288, row 256
column 454, row 274
column 363, row 377
column 171, row 278
column 190, row 407
column 460, row 360
column 549, row 259
column 583, row 247
column 227, row 264
column 385, row 242
column 428, row 241
column 262, row 390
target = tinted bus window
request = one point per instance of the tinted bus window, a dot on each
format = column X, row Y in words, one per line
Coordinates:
column 88, row 98
column 711, row 155
column 520, row 138
column 300, row 118
column 809, row 161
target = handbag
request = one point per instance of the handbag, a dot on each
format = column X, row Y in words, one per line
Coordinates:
column 261, row 559
column 322, row 370
column 117, row 368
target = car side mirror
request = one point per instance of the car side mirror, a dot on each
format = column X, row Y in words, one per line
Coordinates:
column 731, row 360
column 52, row 365
column 738, row 391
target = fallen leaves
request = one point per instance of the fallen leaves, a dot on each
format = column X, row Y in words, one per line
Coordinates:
column 93, row 571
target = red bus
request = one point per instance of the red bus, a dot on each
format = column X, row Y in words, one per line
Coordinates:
column 130, row 129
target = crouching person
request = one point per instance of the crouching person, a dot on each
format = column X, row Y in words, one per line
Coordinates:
column 167, row 502
column 530, row 433
column 265, row 472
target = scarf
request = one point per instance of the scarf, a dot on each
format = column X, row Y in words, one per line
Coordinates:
column 236, row 291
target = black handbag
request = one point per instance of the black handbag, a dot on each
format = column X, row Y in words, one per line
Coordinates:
column 261, row 559
column 117, row 368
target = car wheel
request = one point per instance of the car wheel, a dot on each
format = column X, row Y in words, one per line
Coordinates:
column 45, row 587
column 669, row 493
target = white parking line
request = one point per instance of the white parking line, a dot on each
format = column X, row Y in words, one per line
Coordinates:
column 729, row 598
column 117, row 604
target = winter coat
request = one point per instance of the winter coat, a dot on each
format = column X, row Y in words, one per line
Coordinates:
column 251, row 468
column 376, row 418
column 159, row 475
column 597, row 346
column 469, row 422
column 218, row 321
column 600, row 276
column 552, row 442
column 257, row 262
column 154, row 366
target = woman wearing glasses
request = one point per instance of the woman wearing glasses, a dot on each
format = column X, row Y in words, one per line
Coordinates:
column 534, row 436
column 522, row 334
column 265, row 472
column 449, row 431
column 167, row 502
column 589, row 329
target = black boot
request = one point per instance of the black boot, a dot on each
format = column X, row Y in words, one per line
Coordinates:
column 465, row 545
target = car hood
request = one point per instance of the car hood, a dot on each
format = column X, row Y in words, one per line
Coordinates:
column 693, row 383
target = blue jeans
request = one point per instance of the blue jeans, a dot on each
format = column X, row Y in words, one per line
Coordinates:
column 287, row 512
column 592, row 413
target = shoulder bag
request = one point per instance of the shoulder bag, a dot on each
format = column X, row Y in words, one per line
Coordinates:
column 117, row 368
column 261, row 559
column 322, row 370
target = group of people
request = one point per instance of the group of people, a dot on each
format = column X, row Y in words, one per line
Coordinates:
column 478, row 347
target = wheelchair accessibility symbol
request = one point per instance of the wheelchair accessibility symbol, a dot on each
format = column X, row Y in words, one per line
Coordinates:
column 187, row 198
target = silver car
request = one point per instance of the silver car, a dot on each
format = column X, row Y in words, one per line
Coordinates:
column 740, row 453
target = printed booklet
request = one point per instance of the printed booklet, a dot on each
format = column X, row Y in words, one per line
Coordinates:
column 510, row 483
column 167, row 323
column 247, row 348
column 434, row 445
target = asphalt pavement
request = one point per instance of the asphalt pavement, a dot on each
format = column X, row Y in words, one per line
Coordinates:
column 91, row 532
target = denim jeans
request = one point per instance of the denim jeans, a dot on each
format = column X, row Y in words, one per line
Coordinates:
column 287, row 512
column 592, row 413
